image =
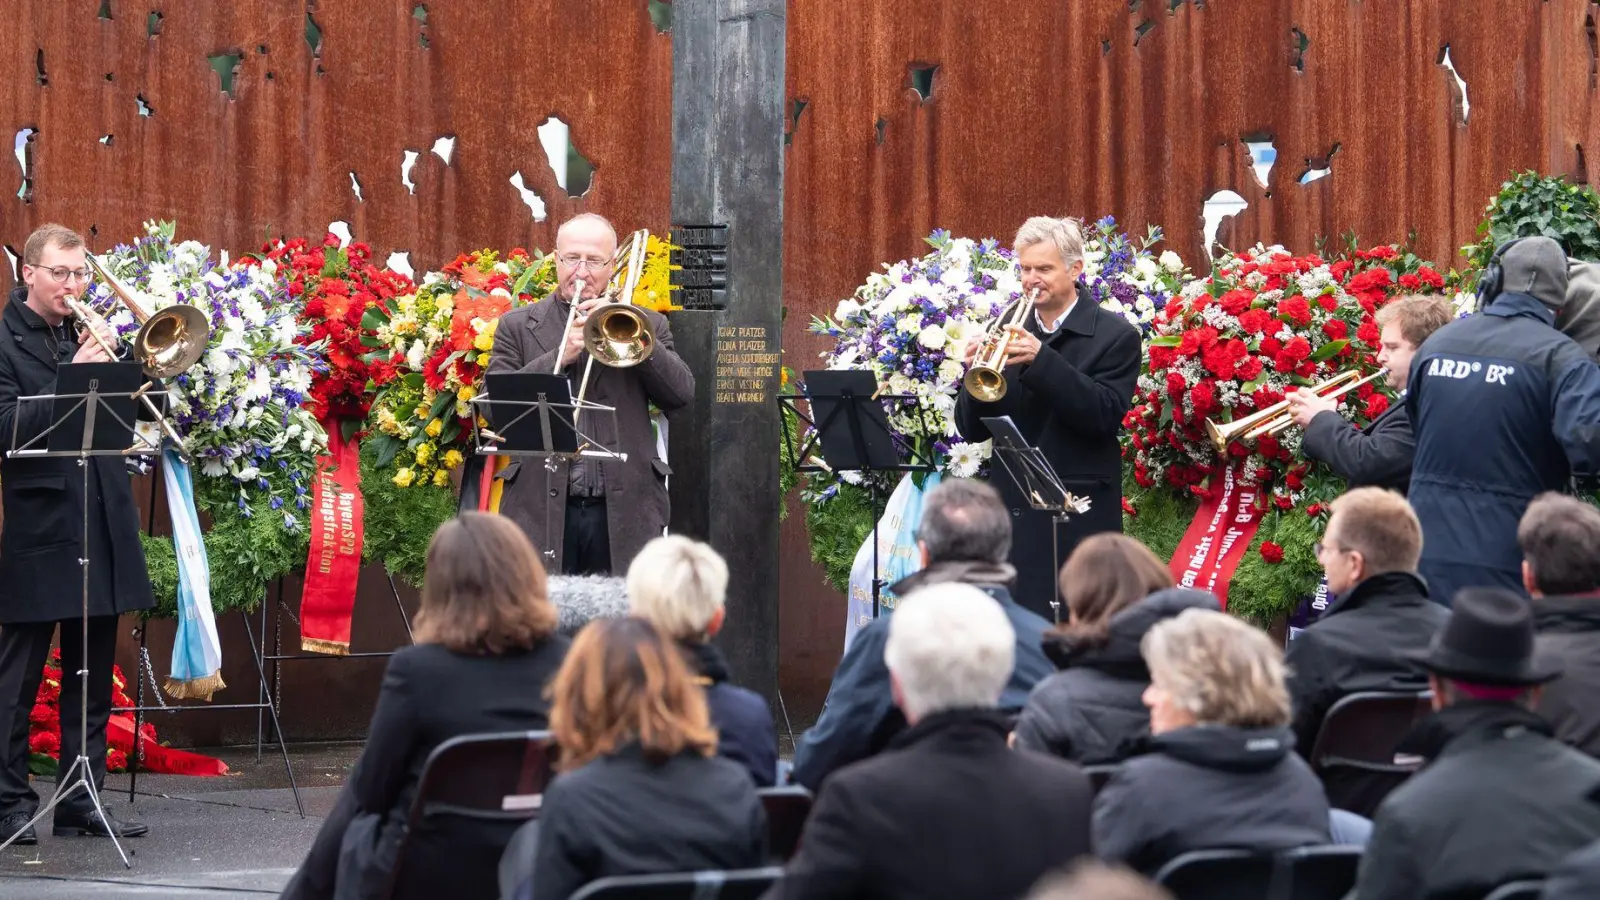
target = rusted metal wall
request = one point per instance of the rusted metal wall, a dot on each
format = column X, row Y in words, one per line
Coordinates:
column 1137, row 108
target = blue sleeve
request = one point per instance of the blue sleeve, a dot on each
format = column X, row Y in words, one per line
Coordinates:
column 1091, row 401
column 857, row 701
column 1577, row 412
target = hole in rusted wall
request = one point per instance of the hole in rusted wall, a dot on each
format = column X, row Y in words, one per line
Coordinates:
column 1298, row 44
column 1319, row 167
column 226, row 65
column 341, row 230
column 574, row 173
column 445, row 147
column 1219, row 206
column 313, row 34
column 1582, row 173
column 529, row 196
column 1262, row 155
column 660, row 15
column 1105, row 48
column 400, row 261
column 355, row 185
column 105, row 9
column 111, row 76
column 922, row 75
column 880, row 127
column 39, row 75
column 1594, row 50
column 12, row 257
column 106, row 139
column 145, row 109
column 419, row 14
column 1458, row 85
column 23, row 147
column 406, row 165
column 796, row 107
column 1142, row 29
column 152, row 24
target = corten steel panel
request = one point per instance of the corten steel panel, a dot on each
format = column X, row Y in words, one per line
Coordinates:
column 1044, row 107
column 276, row 159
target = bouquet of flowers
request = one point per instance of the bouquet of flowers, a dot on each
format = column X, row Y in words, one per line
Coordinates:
column 335, row 287
column 1130, row 280
column 654, row 290
column 428, row 353
column 910, row 324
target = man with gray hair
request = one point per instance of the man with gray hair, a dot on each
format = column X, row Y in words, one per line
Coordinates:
column 964, row 536
column 1069, row 373
column 947, row 810
column 1560, row 540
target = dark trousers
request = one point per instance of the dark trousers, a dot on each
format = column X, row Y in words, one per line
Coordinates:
column 23, row 651
column 586, row 545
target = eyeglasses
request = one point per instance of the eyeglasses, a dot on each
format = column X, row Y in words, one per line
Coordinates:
column 62, row 273
column 575, row 260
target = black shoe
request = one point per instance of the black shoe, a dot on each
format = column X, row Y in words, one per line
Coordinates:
column 15, row 822
column 90, row 823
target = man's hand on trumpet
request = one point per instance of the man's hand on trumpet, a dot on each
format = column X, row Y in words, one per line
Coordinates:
column 89, row 349
column 1023, row 347
column 573, row 351
column 1304, row 405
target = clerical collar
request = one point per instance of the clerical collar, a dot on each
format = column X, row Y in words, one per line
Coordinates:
column 1055, row 326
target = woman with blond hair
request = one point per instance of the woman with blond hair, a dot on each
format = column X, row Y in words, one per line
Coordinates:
column 1090, row 710
column 1219, row 768
column 641, row 789
column 485, row 649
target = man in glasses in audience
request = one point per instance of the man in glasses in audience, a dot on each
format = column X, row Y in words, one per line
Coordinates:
column 590, row 516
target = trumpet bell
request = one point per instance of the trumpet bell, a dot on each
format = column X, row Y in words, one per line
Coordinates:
column 619, row 336
column 986, row 385
column 171, row 340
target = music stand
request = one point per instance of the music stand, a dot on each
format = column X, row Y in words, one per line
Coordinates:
column 94, row 421
column 1040, row 486
column 533, row 414
column 850, row 427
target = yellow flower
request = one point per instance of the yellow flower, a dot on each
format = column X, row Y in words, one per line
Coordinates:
column 434, row 427
column 466, row 393
column 452, row 458
column 441, row 478
column 424, row 452
column 406, row 303
column 404, row 477
column 422, row 410
column 387, row 423
column 485, row 339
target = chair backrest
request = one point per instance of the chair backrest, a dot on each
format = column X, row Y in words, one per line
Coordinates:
column 1316, row 873
column 1099, row 775
column 739, row 884
column 1304, row 873
column 1354, row 753
column 787, row 809
column 475, row 791
column 1518, row 890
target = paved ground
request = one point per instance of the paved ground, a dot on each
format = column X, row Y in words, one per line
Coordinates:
column 237, row 836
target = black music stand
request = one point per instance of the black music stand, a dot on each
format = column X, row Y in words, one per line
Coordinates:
column 533, row 414
column 97, row 420
column 850, row 426
column 1032, row 475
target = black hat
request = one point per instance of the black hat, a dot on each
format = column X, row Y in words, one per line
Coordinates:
column 1488, row 639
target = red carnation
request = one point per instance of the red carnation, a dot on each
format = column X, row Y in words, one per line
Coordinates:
column 1255, row 321
column 1249, row 368
column 1283, row 503
column 1236, row 301
column 1376, row 405
column 1341, row 270
column 1430, row 277
column 1270, row 347
column 1128, row 507
column 46, row 742
column 1368, row 333
column 116, row 761
column 1204, row 398
column 1297, row 350
column 1162, row 357
column 1336, row 329
column 1271, row 552
column 1295, row 309
column 1410, row 282
column 1328, row 302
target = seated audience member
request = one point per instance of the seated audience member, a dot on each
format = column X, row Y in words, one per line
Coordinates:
column 965, row 537
column 1499, row 799
column 1560, row 540
column 1115, row 589
column 946, row 810
column 679, row 585
column 485, row 649
column 1380, row 620
column 1219, row 768
column 1576, row 878
column 641, row 790
column 1094, row 880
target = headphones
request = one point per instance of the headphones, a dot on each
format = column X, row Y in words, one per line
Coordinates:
column 1493, row 279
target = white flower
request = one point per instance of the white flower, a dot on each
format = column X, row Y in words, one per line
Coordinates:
column 909, row 324
column 213, row 467
column 950, row 371
column 966, row 459
column 414, row 355
column 847, row 309
column 900, row 384
column 933, row 337
column 1146, row 267
column 1171, row 262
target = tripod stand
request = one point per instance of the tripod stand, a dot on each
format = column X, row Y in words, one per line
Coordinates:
column 106, row 430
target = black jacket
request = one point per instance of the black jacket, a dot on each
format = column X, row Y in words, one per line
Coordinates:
column 626, row 815
column 1361, row 643
column 1378, row 455
column 947, row 811
column 1577, row 878
column 1569, row 632
column 1092, row 708
column 1504, row 407
column 1069, row 402
column 1206, row 787
column 41, row 539
column 429, row 695
column 1500, row 801
column 745, row 732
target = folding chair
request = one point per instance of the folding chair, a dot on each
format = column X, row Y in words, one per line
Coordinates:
column 1218, row 875
column 739, row 884
column 1518, row 890
column 1316, row 873
column 475, row 791
column 787, row 809
column 1354, row 754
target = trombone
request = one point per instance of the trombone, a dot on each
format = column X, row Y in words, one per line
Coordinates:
column 985, row 379
column 617, row 333
column 169, row 341
column 1275, row 418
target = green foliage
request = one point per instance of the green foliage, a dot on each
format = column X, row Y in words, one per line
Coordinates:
column 162, row 561
column 400, row 522
column 247, row 547
column 1162, row 516
column 838, row 525
column 1533, row 204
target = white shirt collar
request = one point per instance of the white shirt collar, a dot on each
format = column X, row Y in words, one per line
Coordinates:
column 1055, row 326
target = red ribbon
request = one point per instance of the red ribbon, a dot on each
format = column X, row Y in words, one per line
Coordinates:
column 334, row 564
column 1218, row 537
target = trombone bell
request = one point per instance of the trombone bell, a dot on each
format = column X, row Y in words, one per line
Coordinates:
column 619, row 336
column 171, row 340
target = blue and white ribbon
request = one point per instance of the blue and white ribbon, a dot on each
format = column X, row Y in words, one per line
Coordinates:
column 196, row 651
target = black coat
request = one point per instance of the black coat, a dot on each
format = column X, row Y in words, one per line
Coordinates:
column 745, row 731
column 625, row 815
column 1378, row 455
column 1363, row 642
column 1569, row 633
column 946, row 812
column 1577, row 878
column 1069, row 402
column 1486, row 448
column 1208, row 787
column 1093, row 708
column 430, row 694
column 41, row 540
column 1500, row 801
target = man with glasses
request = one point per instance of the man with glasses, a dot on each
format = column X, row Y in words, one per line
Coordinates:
column 604, row 511
column 42, row 541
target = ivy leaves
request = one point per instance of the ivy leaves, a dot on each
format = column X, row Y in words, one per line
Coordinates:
column 1532, row 204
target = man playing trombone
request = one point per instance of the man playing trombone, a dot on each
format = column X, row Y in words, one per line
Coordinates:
column 42, row 541
column 1380, row 454
column 604, row 510
column 1066, row 380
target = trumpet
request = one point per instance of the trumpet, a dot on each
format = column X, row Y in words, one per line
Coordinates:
column 985, row 380
column 1275, row 418
column 169, row 341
